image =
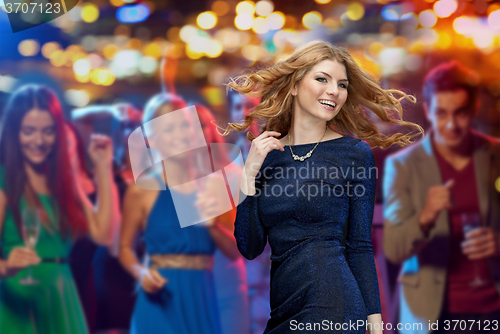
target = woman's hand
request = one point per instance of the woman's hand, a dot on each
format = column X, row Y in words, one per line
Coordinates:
column 376, row 325
column 19, row 258
column 101, row 150
column 261, row 146
column 152, row 281
column 208, row 207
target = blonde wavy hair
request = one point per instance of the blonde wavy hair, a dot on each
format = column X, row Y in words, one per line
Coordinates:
column 274, row 86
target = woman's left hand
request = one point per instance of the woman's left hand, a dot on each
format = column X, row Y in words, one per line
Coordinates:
column 101, row 150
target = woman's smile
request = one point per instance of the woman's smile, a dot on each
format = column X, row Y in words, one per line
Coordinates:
column 328, row 104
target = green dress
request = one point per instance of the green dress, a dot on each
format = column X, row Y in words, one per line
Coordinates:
column 52, row 306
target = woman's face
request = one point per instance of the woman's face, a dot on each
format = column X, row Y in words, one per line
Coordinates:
column 37, row 136
column 237, row 108
column 171, row 135
column 322, row 92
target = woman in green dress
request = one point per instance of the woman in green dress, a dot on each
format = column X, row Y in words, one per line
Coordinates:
column 36, row 176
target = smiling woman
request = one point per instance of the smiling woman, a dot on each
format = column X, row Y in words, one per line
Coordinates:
column 36, row 176
column 322, row 255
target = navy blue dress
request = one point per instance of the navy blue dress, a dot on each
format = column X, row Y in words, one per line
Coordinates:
column 317, row 216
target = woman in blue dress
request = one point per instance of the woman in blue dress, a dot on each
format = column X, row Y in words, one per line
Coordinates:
column 177, row 292
column 310, row 188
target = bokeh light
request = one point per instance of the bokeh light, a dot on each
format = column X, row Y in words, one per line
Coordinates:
column 7, row 83
column 153, row 50
column 117, row 3
column 148, row 65
column 396, row 12
column 206, row 20
column 427, row 18
column 90, row 12
column 264, row 7
column 245, row 7
column 260, row 25
column 110, row 50
column 494, row 20
column 483, row 39
column 444, row 8
column 77, row 98
column 133, row 14
column 58, row 58
column 355, row 11
column 187, row 32
column 244, row 21
column 82, row 67
column 312, row 20
column 49, row 47
column 275, row 20
column 220, row 7
column 29, row 48
column 214, row 49
column 102, row 76
column 251, row 52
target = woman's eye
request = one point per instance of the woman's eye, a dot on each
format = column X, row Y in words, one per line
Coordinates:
column 27, row 132
column 343, row 85
column 321, row 80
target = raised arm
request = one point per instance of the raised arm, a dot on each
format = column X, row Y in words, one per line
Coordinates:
column 359, row 249
column 103, row 216
column 251, row 236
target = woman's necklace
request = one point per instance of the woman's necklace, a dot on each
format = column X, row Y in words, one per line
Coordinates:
column 296, row 157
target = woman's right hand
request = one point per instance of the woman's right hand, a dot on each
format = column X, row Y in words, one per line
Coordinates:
column 152, row 281
column 20, row 258
column 261, row 146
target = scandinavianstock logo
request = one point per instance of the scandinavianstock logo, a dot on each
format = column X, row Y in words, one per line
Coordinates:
column 173, row 146
column 25, row 14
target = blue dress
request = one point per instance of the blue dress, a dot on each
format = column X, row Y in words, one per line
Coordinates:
column 317, row 216
column 187, row 303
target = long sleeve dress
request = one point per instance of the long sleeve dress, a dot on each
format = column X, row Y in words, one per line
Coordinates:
column 317, row 216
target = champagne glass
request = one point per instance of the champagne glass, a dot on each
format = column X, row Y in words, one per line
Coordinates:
column 472, row 221
column 31, row 230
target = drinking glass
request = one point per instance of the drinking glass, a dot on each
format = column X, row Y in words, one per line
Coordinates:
column 472, row 221
column 31, row 230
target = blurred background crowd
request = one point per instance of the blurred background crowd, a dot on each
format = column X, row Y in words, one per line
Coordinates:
column 106, row 59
